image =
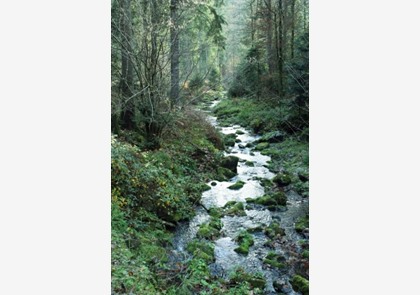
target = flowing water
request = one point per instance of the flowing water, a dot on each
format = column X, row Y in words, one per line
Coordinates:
column 226, row 258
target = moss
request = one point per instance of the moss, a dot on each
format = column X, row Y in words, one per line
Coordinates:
column 204, row 187
column 255, row 280
column 273, row 136
column 224, row 174
column 254, row 229
column 201, row 249
column 261, row 146
column 305, row 254
column 231, row 163
column 274, row 230
column 302, row 223
column 229, row 139
column 234, row 208
column 210, row 230
column 245, row 240
column 282, row 179
column 275, row 260
column 300, row 284
column 239, row 132
column 238, row 185
column 215, row 212
column 249, row 163
column 266, row 182
column 273, row 201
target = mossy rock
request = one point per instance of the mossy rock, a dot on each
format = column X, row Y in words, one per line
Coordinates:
column 302, row 223
column 231, row 163
column 216, row 212
column 262, row 146
column 254, row 229
column 238, row 185
column 272, row 137
column 305, row 254
column 274, row 230
column 239, row 132
column 245, row 240
column 249, row 145
column 224, row 174
column 282, row 179
column 250, row 163
column 265, row 200
column 202, row 249
column 275, row 260
column 303, row 176
column 234, row 209
column 272, row 200
column 266, row 182
column 238, row 140
column 255, row 280
column 300, row 284
column 210, row 230
column 204, row 187
column 229, row 139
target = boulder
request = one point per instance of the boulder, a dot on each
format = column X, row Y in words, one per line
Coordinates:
column 282, row 179
column 231, row 163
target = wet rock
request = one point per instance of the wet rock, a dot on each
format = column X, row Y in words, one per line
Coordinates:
column 303, row 176
column 229, row 139
column 272, row 137
column 239, row 132
column 238, row 185
column 241, row 146
column 275, row 260
column 282, row 179
column 213, row 183
column 224, row 174
column 245, row 240
column 300, row 284
column 233, row 208
column 231, row 163
column 261, row 146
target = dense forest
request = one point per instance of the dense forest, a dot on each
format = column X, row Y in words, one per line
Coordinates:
column 210, row 136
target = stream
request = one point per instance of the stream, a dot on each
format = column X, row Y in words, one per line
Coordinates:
column 226, row 258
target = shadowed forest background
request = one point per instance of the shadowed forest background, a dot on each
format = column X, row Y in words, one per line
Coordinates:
column 174, row 63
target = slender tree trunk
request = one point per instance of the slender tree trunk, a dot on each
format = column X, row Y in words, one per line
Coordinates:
column 280, row 49
column 174, row 53
column 292, row 41
column 269, row 44
column 126, row 81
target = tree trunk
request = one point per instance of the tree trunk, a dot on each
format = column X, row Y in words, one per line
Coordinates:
column 280, row 49
column 292, row 41
column 126, row 81
column 174, row 53
column 269, row 44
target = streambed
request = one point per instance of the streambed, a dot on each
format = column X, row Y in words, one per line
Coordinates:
column 226, row 259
